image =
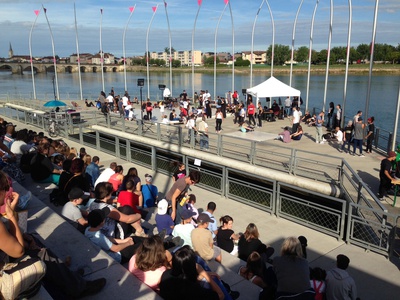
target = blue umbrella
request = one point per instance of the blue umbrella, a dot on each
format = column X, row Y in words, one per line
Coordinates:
column 54, row 103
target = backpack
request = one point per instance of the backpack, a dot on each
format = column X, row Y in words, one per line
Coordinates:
column 318, row 294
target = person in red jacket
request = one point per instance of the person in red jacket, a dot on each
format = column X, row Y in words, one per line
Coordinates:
column 251, row 110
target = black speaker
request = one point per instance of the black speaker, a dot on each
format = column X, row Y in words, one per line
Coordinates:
column 140, row 82
column 244, row 91
column 161, row 86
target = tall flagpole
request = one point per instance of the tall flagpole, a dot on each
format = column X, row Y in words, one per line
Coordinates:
column 252, row 43
column 396, row 121
column 371, row 60
column 215, row 48
column 77, row 54
column 328, row 57
column 273, row 37
column 233, row 48
column 310, row 52
column 54, row 54
column 346, row 74
column 154, row 8
column 293, row 36
column 101, row 52
column 30, row 53
column 131, row 9
column 199, row 2
column 170, row 50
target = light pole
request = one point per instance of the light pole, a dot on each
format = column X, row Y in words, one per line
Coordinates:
column 140, row 83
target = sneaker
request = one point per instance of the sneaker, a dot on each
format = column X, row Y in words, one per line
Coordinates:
column 381, row 199
column 340, row 150
column 24, row 200
column 322, row 142
column 93, row 287
column 316, row 142
column 362, row 155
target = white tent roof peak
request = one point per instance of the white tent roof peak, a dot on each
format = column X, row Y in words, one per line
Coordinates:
column 272, row 87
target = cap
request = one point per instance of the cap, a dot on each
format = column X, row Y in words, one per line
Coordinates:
column 148, row 178
column 162, row 207
column 76, row 193
column 392, row 154
column 187, row 214
column 204, row 218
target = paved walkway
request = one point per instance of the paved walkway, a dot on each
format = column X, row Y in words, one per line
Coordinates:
column 375, row 276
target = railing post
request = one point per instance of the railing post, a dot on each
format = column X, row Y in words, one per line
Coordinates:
column 219, row 145
column 180, row 136
column 252, row 152
column 128, row 151
column 97, row 140
column 376, row 139
column 117, row 150
column 158, row 131
column 390, row 141
column 153, row 158
column 292, row 161
column 80, row 134
column 359, row 192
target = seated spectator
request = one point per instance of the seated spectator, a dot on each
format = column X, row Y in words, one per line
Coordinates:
column 250, row 242
column 253, row 271
column 339, row 136
column 19, row 147
column 130, row 197
column 298, row 134
column 106, row 174
column 284, row 136
column 339, row 283
column 292, row 271
column 212, row 226
column 93, row 171
column 119, row 249
column 149, row 192
column 202, row 240
column 150, row 261
column 163, row 220
column 182, row 281
column 89, row 104
column 8, row 138
column 226, row 236
column 82, row 152
column 131, row 175
column 165, row 119
column 42, row 169
column 76, row 178
column 117, row 178
column 306, row 118
column 190, row 206
column 71, row 211
column 185, row 228
column 123, row 216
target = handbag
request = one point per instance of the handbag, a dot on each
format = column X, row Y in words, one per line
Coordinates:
column 151, row 192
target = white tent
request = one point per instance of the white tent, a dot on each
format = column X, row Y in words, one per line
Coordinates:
column 272, row 87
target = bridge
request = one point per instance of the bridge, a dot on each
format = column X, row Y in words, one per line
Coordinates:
column 21, row 67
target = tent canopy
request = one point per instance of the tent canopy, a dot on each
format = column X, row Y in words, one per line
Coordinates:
column 272, row 87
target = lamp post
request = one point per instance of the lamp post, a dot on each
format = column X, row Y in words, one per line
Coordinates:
column 140, row 83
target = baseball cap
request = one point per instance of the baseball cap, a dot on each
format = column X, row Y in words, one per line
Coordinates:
column 187, row 214
column 392, row 154
column 76, row 193
column 148, row 178
column 204, row 218
column 162, row 207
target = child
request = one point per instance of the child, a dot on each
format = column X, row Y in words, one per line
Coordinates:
column 163, row 220
column 317, row 281
column 120, row 250
column 190, row 206
column 130, row 197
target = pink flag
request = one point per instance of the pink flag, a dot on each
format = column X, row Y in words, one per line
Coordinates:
column 54, row 59
column 131, row 9
column 226, row 1
column 36, row 12
column 78, row 60
column 199, row 2
column 101, row 59
column 31, row 60
column 101, row 10
column 154, row 8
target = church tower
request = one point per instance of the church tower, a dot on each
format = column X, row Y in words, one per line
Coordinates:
column 10, row 52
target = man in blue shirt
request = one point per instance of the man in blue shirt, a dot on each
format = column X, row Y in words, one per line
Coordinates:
column 93, row 170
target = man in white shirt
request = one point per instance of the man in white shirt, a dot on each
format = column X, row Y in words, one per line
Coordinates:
column 110, row 100
column 184, row 230
column 288, row 106
column 296, row 119
column 106, row 174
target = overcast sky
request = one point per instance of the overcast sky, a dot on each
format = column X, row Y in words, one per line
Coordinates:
column 17, row 17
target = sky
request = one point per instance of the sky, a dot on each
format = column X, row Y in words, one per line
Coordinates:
column 17, row 18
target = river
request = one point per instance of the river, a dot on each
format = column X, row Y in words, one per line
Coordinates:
column 383, row 100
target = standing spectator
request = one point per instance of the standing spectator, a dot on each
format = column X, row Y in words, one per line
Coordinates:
column 370, row 134
column 106, row 174
column 260, row 112
column 288, row 106
column 331, row 110
column 226, row 236
column 212, row 226
column 180, row 172
column 235, row 98
column 93, row 170
column 251, row 110
column 318, row 126
column 202, row 240
column 347, row 136
column 385, row 176
column 202, row 128
column 242, row 113
column 218, row 120
column 338, row 116
column 149, row 110
column 296, row 119
column 149, row 192
column 357, row 116
column 358, row 136
column 223, row 107
column 229, row 98
column 207, row 103
column 339, row 283
column 292, row 270
column 317, row 281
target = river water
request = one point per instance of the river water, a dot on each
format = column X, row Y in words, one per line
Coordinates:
column 383, row 100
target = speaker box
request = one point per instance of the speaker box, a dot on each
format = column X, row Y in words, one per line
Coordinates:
column 140, row 82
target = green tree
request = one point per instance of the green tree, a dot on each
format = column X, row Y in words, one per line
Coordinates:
column 363, row 51
column 166, row 49
column 301, row 54
column 176, row 63
column 240, row 62
column 281, row 54
column 209, row 61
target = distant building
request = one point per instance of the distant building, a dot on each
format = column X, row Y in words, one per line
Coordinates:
column 108, row 59
column 184, row 57
column 259, row 57
column 10, row 52
column 85, row 58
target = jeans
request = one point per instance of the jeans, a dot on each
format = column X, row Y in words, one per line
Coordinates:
column 318, row 137
column 203, row 142
column 287, row 110
column 218, row 123
column 357, row 144
column 252, row 121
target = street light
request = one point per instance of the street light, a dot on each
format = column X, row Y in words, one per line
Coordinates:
column 140, row 83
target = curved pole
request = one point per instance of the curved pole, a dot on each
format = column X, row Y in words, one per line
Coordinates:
column 30, row 53
column 396, row 121
column 310, row 52
column 154, row 8
column 54, row 54
column 170, row 50
column 101, row 53
column 77, row 54
column 346, row 74
column 233, row 48
column 273, row 38
column 293, row 36
column 199, row 2
column 131, row 9
column 328, row 57
column 252, row 43
column 215, row 48
column 371, row 60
